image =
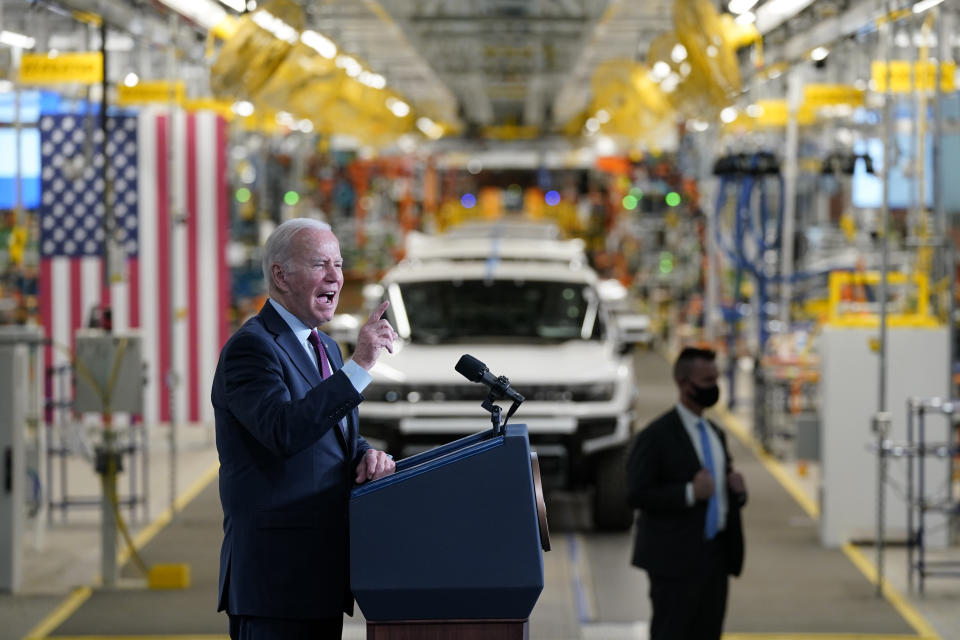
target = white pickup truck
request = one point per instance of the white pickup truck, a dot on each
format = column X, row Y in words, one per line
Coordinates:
column 530, row 310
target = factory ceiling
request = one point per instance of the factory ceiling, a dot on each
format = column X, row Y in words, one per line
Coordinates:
column 478, row 65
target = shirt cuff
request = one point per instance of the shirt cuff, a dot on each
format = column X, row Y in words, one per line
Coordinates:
column 689, row 489
column 357, row 375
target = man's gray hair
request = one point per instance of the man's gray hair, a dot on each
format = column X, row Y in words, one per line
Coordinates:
column 277, row 249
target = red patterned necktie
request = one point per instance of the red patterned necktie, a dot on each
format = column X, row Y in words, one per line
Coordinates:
column 322, row 363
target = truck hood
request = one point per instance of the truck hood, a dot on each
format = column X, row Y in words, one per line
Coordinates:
column 563, row 364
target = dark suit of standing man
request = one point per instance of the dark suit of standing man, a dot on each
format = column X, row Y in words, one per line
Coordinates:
column 286, row 424
column 689, row 535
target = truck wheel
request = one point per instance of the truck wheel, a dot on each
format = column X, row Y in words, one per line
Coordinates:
column 611, row 511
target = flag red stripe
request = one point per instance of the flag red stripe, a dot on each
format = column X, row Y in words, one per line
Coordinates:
column 193, row 290
column 46, row 318
column 76, row 301
column 105, row 289
column 223, row 230
column 163, row 282
column 133, row 266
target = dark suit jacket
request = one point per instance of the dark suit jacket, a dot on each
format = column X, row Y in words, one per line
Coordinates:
column 670, row 535
column 286, row 471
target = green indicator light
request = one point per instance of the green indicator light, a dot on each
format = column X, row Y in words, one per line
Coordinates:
column 673, row 199
column 291, row 197
column 243, row 194
column 666, row 262
column 629, row 203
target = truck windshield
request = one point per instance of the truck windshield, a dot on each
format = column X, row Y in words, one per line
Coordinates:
column 500, row 310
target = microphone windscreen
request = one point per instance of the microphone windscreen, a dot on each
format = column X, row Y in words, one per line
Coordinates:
column 470, row 368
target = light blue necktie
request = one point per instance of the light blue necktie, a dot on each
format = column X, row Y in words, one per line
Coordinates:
column 713, row 506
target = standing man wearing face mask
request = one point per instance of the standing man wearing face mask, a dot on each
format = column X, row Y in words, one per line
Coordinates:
column 689, row 536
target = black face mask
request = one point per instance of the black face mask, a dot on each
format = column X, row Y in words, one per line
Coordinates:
column 705, row 396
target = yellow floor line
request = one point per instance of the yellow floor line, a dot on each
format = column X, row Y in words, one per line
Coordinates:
column 812, row 636
column 76, row 599
column 183, row 637
column 772, row 465
column 63, row 611
column 913, row 617
column 149, row 532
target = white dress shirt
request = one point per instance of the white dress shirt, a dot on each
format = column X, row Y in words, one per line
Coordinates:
column 689, row 420
column 358, row 376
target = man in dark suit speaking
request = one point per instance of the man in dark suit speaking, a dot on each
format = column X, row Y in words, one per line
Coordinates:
column 689, row 535
column 286, row 423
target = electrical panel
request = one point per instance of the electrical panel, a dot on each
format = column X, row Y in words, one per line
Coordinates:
column 109, row 372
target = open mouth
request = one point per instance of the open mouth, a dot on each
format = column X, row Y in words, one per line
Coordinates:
column 328, row 296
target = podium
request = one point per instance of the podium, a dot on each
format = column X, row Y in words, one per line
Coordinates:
column 451, row 545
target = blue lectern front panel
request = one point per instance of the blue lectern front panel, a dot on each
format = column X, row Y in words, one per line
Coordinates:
column 455, row 536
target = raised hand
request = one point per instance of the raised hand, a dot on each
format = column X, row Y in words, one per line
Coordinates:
column 375, row 335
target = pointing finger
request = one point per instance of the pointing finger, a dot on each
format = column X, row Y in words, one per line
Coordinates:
column 376, row 315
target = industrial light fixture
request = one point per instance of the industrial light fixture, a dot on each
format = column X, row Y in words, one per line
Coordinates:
column 773, row 13
column 319, row 43
column 374, row 80
column 286, row 119
column 131, row 79
column 679, row 53
column 236, row 5
column 14, row 39
column 349, row 64
column 206, row 13
column 432, row 130
column 728, row 115
column 242, row 108
column 741, row 6
column 269, row 22
column 660, row 70
column 398, row 107
column 819, row 54
column 669, row 84
column 923, row 5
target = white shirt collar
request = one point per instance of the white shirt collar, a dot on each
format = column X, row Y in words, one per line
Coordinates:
column 689, row 418
column 296, row 325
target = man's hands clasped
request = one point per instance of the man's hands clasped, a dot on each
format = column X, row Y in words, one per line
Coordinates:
column 704, row 486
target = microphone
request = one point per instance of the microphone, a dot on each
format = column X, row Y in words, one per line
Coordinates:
column 475, row 371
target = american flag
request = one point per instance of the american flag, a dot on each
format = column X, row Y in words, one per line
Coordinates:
column 182, row 305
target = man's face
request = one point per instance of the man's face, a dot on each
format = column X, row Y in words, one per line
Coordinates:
column 311, row 288
column 703, row 374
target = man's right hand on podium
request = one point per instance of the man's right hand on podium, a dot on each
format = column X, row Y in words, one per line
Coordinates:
column 375, row 465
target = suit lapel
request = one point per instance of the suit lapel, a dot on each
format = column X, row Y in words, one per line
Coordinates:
column 344, row 435
column 683, row 442
column 297, row 353
column 287, row 341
